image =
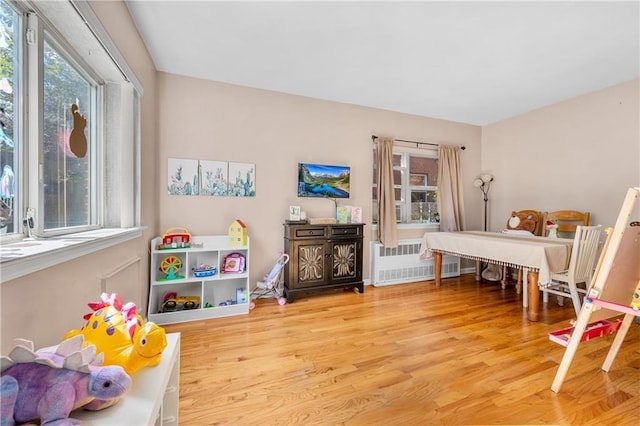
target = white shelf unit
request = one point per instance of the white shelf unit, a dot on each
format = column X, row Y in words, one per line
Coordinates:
column 152, row 399
column 215, row 290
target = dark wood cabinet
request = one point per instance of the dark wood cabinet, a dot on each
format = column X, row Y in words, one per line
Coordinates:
column 322, row 257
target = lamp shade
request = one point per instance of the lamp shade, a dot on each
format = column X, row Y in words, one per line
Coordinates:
column 477, row 183
column 486, row 177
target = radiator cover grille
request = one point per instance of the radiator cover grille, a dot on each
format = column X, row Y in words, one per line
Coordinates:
column 403, row 265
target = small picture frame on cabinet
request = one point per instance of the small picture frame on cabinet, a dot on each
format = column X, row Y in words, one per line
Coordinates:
column 294, row 212
column 356, row 214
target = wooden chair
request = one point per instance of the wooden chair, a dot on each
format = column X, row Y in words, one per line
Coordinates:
column 527, row 220
column 567, row 221
column 581, row 265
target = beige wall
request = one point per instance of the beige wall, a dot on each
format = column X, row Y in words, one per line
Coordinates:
column 200, row 119
column 580, row 154
column 44, row 305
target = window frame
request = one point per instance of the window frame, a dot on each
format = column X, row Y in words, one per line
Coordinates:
column 70, row 27
column 47, row 34
column 403, row 206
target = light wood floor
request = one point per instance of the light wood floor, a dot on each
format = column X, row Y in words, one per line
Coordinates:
column 409, row 354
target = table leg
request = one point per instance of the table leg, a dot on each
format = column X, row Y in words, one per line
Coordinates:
column 478, row 270
column 534, row 293
column 503, row 281
column 437, row 256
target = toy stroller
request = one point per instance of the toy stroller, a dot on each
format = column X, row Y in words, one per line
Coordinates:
column 269, row 286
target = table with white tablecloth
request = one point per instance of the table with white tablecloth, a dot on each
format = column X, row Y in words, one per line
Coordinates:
column 540, row 255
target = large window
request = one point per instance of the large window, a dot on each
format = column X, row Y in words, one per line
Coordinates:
column 415, row 177
column 68, row 123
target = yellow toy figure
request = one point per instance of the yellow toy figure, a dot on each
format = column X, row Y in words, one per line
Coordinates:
column 635, row 301
column 122, row 335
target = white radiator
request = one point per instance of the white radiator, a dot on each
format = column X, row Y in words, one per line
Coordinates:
column 403, row 264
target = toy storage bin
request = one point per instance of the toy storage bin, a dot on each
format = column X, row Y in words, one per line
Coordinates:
column 593, row 330
column 204, row 271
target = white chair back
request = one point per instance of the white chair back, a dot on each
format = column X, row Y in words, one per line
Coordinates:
column 583, row 254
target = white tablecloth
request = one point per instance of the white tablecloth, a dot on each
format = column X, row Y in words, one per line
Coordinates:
column 542, row 254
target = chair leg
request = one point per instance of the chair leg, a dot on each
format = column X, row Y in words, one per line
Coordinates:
column 506, row 274
column 525, row 289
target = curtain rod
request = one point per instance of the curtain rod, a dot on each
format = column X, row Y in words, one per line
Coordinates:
column 374, row 137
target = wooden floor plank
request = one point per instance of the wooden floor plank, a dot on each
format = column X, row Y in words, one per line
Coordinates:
column 462, row 353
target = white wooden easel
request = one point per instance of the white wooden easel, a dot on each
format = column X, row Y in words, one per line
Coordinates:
column 616, row 278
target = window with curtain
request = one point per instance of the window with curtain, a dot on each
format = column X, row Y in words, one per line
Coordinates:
column 415, row 173
column 69, row 125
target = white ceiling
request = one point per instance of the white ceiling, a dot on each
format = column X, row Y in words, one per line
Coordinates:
column 475, row 62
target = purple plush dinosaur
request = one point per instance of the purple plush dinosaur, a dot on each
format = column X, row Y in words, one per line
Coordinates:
column 48, row 385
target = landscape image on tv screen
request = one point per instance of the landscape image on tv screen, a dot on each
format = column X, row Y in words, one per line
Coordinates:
column 322, row 180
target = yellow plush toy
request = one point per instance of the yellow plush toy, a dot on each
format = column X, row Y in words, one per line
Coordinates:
column 122, row 335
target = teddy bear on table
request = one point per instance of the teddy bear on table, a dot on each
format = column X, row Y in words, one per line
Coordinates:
column 522, row 222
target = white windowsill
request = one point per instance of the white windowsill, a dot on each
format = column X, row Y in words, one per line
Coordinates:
column 34, row 254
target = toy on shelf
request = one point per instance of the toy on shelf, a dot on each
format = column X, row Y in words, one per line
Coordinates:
column 170, row 265
column 122, row 335
column 174, row 238
column 171, row 302
column 233, row 263
column 50, row 383
column 203, row 271
column 237, row 233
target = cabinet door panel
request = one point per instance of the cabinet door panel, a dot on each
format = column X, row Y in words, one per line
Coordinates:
column 344, row 257
column 311, row 265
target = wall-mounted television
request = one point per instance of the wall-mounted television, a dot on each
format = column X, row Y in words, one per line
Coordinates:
column 323, row 180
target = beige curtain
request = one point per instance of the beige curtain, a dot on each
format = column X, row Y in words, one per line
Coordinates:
column 450, row 195
column 387, row 228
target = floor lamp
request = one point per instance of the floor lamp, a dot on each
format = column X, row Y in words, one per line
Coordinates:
column 483, row 182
